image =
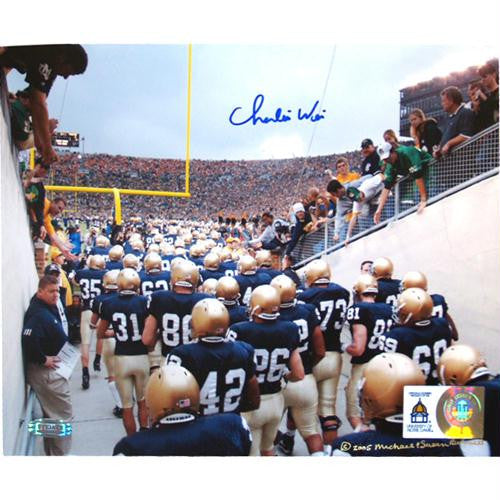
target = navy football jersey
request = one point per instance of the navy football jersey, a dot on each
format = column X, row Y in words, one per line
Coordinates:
column 90, row 283
column 99, row 251
column 250, row 282
column 424, row 342
column 237, row 313
column 306, row 318
column 222, row 435
column 111, row 265
column 198, row 262
column 491, row 411
column 96, row 304
column 207, row 274
column 440, row 308
column 152, row 282
column 222, row 370
column 331, row 303
column 270, row 271
column 172, row 311
column 388, row 291
column 377, row 318
column 170, row 238
column 380, row 443
column 229, row 267
column 273, row 342
column 127, row 314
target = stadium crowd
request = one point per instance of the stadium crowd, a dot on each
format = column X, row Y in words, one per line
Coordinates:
column 205, row 328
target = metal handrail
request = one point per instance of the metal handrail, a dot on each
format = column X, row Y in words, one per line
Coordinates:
column 26, row 441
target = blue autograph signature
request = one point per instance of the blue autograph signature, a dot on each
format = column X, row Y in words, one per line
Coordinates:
column 279, row 116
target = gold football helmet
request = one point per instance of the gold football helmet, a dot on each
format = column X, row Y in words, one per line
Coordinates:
column 286, row 288
column 180, row 251
column 247, row 265
column 101, row 241
column 131, row 261
column 128, row 279
column 202, row 236
column 171, row 389
column 209, row 318
column 109, row 280
column 382, row 384
column 366, row 283
column 227, row 290
column 152, row 261
column 184, row 274
column 137, row 244
column 209, row 286
column 459, row 364
column 226, row 254
column 96, row 262
column 153, row 248
column 158, row 239
column 195, row 251
column 211, row 243
column 414, row 304
column 317, row 272
column 263, row 258
column 265, row 302
column 116, row 253
column 188, row 238
column 166, row 249
column 179, row 243
column 382, row 268
column 414, row 279
column 211, row 262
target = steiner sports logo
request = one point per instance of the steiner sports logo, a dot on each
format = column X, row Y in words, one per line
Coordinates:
column 50, row 428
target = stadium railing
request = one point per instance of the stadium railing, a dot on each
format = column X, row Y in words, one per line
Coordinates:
column 469, row 163
column 25, row 445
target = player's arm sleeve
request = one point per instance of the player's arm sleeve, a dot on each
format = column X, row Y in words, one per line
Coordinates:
column 296, row 234
column 390, row 176
column 31, row 341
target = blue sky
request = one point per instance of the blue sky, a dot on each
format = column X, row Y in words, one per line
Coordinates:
column 132, row 99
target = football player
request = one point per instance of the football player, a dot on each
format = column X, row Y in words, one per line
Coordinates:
column 331, row 301
column 248, row 279
column 115, row 257
column 90, row 282
column 126, row 314
column 225, row 371
column 228, row 291
column 211, row 264
column 265, row 262
column 152, row 276
column 196, row 253
column 110, row 289
column 101, row 247
column 388, row 288
column 229, row 267
column 416, row 279
column 367, row 320
column 381, row 398
column 167, row 255
column 209, row 286
column 130, row 261
column 461, row 364
column 301, row 398
column 170, row 311
column 418, row 335
column 172, row 398
column 276, row 350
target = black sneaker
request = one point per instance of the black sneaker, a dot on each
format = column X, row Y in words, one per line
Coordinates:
column 285, row 444
column 118, row 412
column 85, row 381
column 97, row 365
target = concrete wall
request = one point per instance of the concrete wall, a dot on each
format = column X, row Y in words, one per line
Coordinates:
column 19, row 281
column 456, row 243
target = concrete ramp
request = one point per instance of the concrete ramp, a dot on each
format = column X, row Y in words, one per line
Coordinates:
column 456, row 243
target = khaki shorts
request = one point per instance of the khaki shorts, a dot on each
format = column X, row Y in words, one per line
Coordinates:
column 302, row 399
column 264, row 422
column 131, row 372
column 327, row 375
column 351, row 391
column 85, row 331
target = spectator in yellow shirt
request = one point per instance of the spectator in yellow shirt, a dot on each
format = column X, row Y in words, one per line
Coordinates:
column 53, row 209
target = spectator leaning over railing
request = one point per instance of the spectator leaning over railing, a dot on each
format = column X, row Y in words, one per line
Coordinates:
column 404, row 160
column 460, row 122
column 424, row 131
column 343, row 172
column 488, row 101
column 53, row 209
column 42, row 64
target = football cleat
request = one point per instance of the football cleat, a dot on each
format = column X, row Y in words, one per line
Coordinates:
column 85, row 381
column 414, row 305
column 247, row 265
column 265, row 302
column 227, row 290
column 109, row 280
column 116, row 253
column 128, row 280
column 286, row 288
column 382, row 268
column 118, row 412
column 209, row 318
column 382, row 384
column 97, row 365
column 184, row 274
column 414, row 279
column 131, row 261
column 317, row 272
column 96, row 262
column 459, row 364
column 211, row 262
column 171, row 390
column 366, row 283
column 152, row 262
column 285, row 443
